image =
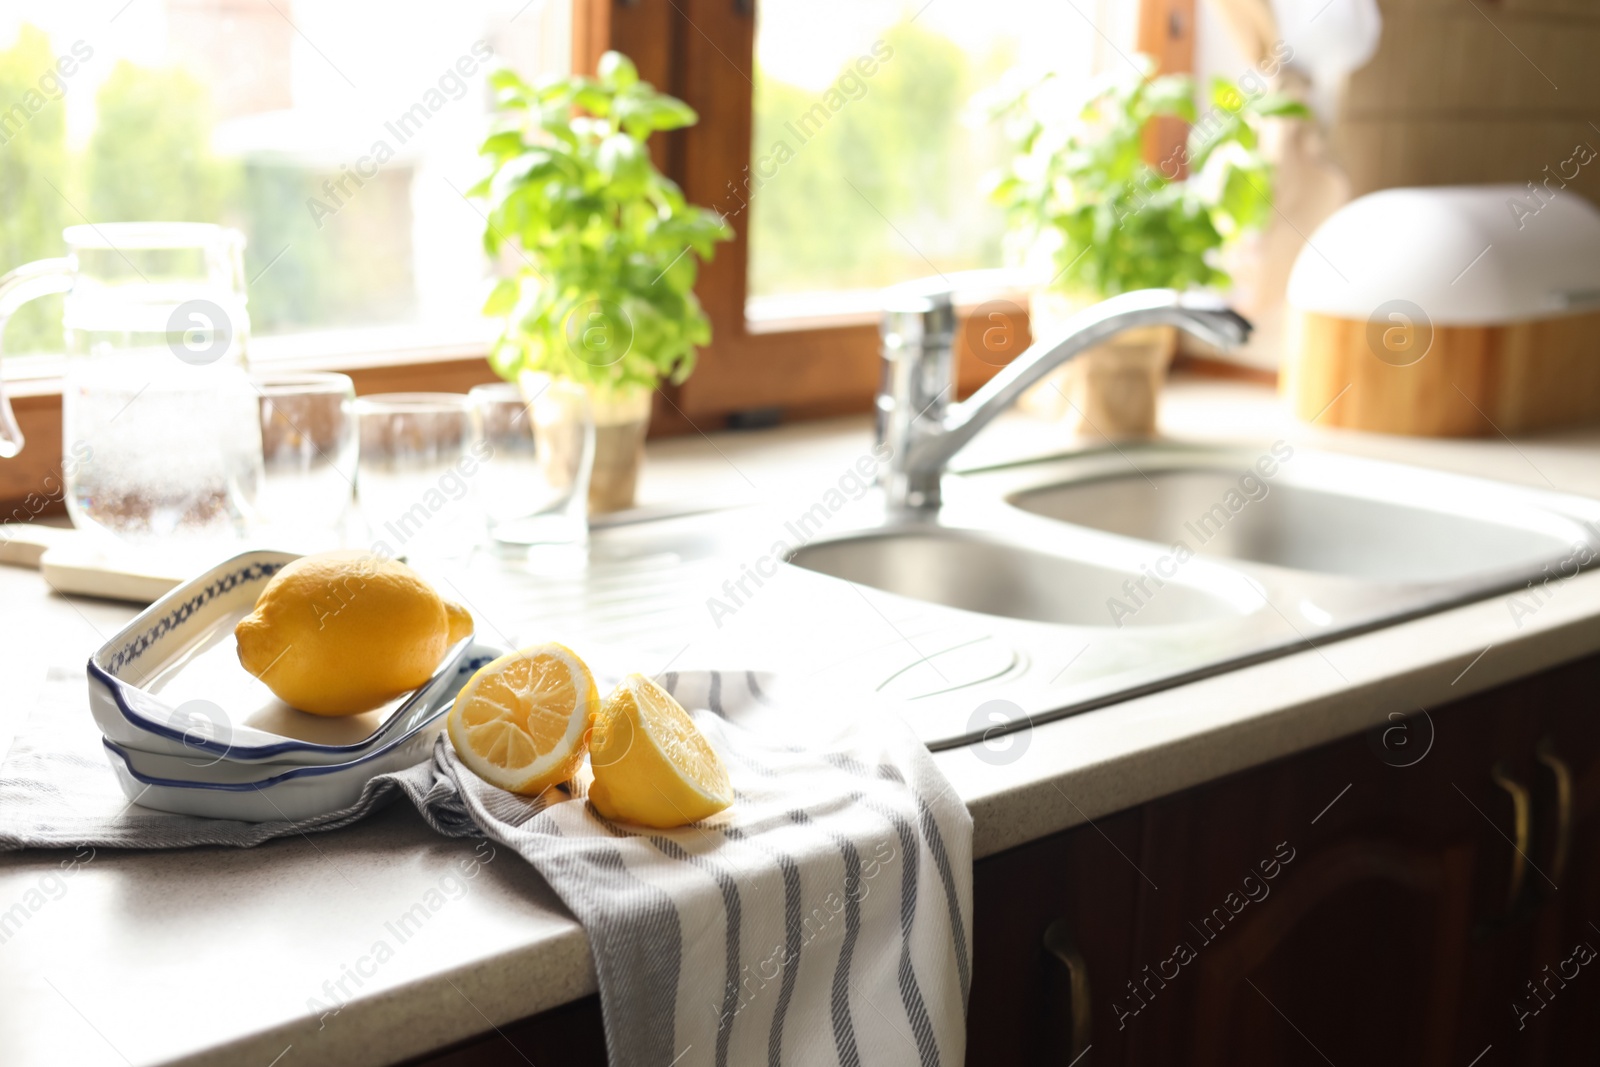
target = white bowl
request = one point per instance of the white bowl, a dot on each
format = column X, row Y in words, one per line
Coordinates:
column 170, row 683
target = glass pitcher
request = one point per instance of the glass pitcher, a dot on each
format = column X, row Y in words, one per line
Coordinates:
column 161, row 437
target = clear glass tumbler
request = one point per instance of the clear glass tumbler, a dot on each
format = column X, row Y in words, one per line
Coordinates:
column 309, row 445
column 538, row 452
column 418, row 458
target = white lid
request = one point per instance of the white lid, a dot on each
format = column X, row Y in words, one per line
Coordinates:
column 1466, row 255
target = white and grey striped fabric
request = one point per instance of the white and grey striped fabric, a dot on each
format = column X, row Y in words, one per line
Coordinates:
column 826, row 918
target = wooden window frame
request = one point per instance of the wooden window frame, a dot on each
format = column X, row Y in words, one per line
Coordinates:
column 703, row 52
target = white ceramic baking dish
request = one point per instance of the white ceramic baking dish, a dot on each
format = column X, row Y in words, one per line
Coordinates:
column 170, row 683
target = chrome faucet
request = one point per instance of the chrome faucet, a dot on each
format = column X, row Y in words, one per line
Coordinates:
column 916, row 419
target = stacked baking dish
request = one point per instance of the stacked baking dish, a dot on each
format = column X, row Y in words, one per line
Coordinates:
column 187, row 730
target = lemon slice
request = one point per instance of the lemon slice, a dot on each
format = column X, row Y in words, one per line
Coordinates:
column 519, row 723
column 651, row 764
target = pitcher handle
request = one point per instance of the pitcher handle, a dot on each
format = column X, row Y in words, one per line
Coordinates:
column 44, row 277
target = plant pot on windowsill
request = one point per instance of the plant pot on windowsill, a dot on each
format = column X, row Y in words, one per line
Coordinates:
column 1111, row 391
column 621, row 420
column 1080, row 196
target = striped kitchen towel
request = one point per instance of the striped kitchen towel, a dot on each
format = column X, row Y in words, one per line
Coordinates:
column 825, row 918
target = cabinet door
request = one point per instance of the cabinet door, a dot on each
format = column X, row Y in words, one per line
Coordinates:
column 1053, row 922
column 1557, row 1002
column 1348, row 905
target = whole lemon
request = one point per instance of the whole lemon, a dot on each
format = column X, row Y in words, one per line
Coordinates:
column 339, row 633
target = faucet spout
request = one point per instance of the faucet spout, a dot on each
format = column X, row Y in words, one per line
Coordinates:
column 1203, row 316
column 926, row 444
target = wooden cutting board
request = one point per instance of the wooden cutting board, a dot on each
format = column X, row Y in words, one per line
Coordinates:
column 70, row 565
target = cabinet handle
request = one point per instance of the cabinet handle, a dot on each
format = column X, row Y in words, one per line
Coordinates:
column 1546, row 753
column 1058, row 946
column 1522, row 815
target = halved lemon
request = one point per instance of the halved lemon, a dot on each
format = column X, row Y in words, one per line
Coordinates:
column 652, row 765
column 519, row 723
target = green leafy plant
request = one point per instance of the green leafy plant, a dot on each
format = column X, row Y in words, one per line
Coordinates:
column 1113, row 222
column 607, row 246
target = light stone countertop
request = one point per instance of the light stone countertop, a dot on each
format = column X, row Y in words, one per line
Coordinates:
column 212, row 955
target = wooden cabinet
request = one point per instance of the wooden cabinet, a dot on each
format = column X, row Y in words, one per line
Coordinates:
column 1386, row 899
column 1052, row 923
column 1362, row 948
column 1563, row 1029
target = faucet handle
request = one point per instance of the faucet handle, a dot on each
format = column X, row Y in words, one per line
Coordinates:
column 917, row 313
column 918, row 330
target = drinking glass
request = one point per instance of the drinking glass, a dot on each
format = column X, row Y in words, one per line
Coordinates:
column 538, row 453
column 418, row 458
column 308, row 450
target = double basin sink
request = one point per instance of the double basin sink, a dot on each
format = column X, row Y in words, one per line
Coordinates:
column 1043, row 589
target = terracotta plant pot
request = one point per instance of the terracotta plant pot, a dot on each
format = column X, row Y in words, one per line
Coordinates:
column 1111, row 391
column 621, row 418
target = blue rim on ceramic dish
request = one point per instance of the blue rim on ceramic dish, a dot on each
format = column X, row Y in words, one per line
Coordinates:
column 452, row 663
column 293, row 773
column 242, row 569
column 305, row 770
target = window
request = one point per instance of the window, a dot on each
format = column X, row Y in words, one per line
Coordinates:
column 871, row 145
column 802, row 352
column 335, row 134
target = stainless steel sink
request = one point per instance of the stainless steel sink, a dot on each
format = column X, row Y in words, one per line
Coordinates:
column 1119, row 572
column 978, row 572
column 1115, row 551
column 1055, row 586
column 1323, row 527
